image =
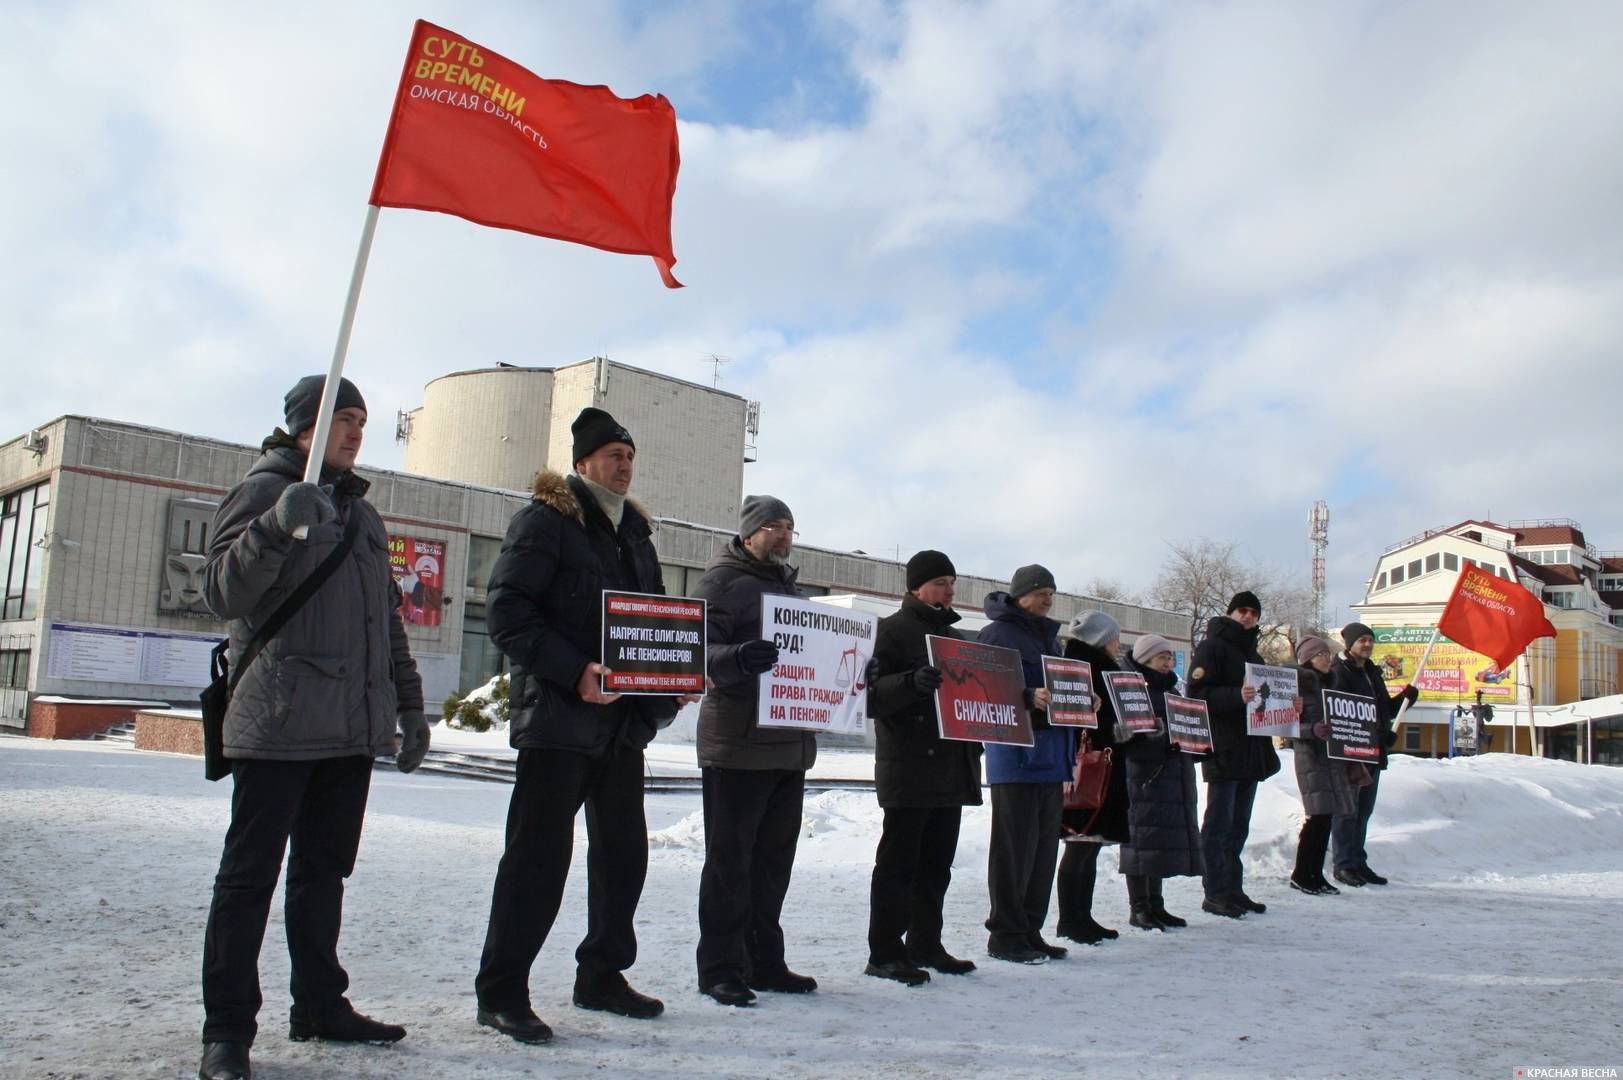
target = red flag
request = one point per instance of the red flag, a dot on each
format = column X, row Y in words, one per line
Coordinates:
column 475, row 135
column 1495, row 617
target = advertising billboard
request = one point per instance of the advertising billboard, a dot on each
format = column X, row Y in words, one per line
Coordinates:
column 1453, row 672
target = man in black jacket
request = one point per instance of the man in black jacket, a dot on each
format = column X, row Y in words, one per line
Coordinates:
column 1239, row 761
column 924, row 781
column 576, row 744
column 1355, row 673
column 309, row 714
column 754, row 777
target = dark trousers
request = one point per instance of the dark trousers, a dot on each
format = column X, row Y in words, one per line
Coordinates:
column 318, row 806
column 1020, row 862
column 1348, row 831
column 751, row 829
column 1223, row 832
column 1078, row 872
column 1310, row 847
column 552, row 786
column 911, row 871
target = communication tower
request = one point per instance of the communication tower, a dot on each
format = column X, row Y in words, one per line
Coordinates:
column 1319, row 532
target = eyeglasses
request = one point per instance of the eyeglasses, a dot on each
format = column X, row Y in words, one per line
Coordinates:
column 781, row 529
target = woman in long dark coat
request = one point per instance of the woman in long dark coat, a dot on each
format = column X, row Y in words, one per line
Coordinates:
column 1326, row 784
column 1096, row 638
column 1164, row 838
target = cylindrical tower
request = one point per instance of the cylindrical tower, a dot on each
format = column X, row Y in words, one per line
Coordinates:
column 490, row 426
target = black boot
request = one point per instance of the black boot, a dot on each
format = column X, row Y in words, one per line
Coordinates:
column 224, row 1061
column 1078, row 868
column 1158, row 907
column 1143, row 917
column 341, row 1025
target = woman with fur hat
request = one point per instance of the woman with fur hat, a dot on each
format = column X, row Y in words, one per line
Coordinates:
column 1162, row 799
column 1094, row 637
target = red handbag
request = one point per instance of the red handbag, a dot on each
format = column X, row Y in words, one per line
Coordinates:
column 1089, row 785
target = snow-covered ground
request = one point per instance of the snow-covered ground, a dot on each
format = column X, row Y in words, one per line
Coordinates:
column 1495, row 947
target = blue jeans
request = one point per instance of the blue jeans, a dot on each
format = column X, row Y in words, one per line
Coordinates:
column 1223, row 833
column 1347, row 831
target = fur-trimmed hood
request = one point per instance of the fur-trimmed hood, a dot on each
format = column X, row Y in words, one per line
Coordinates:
column 553, row 489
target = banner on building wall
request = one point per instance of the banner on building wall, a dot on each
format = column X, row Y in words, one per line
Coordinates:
column 1453, row 673
column 820, row 680
column 983, row 692
column 653, row 644
column 418, row 566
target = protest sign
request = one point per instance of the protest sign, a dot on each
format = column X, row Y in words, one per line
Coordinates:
column 1070, row 692
column 1189, row 725
column 1354, row 727
column 1273, row 710
column 653, row 644
column 982, row 695
column 1131, row 696
column 1463, row 737
column 820, row 680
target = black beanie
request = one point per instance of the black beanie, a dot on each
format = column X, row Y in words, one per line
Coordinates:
column 594, row 429
column 1353, row 631
column 927, row 566
column 1030, row 579
column 1245, row 598
column 303, row 402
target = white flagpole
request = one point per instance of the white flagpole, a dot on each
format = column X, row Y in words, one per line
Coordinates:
column 1415, row 681
column 329, row 392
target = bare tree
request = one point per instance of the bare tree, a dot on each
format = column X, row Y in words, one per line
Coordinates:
column 1103, row 588
column 1197, row 579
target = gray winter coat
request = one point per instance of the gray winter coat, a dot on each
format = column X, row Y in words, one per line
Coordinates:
column 1324, row 782
column 331, row 683
column 728, row 736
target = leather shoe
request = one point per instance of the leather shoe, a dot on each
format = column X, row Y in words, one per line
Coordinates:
column 1048, row 949
column 1162, row 916
column 1350, row 877
column 619, row 998
column 1244, row 901
column 521, row 1025
column 1082, row 933
column 1017, row 953
column 224, row 1061
column 729, row 992
column 1222, row 905
column 943, row 961
column 1325, row 887
column 898, row 971
column 1312, row 888
column 346, row 1025
column 783, row 982
column 1370, row 876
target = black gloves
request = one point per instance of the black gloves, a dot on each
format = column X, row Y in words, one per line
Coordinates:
column 756, row 657
column 1411, row 693
column 926, row 679
column 413, row 740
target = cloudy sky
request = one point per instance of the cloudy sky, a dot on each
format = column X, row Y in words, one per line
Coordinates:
column 1023, row 280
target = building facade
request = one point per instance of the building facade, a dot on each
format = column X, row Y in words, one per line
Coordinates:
column 106, row 523
column 1582, row 590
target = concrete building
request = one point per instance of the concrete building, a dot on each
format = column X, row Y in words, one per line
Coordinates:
column 498, row 426
column 1562, row 685
column 105, row 525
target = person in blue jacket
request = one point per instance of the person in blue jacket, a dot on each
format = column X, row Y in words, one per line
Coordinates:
column 1027, row 782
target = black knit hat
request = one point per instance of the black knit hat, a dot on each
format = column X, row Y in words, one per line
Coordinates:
column 1245, row 598
column 1030, row 579
column 927, row 566
column 1353, row 631
column 303, row 402
column 594, row 429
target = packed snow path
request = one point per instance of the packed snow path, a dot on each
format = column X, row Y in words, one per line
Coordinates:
column 1493, row 949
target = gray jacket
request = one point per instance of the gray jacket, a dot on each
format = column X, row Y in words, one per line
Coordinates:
column 728, row 736
column 331, row 683
column 1325, row 783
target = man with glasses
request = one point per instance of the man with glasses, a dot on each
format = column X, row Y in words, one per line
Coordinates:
column 754, row 778
column 1239, row 761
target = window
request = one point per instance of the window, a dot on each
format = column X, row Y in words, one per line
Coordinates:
column 1433, row 562
column 1411, row 738
column 1451, row 561
column 1561, row 556
column 23, row 517
column 1380, row 582
column 1414, row 568
column 14, row 687
column 1397, row 575
column 482, row 552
